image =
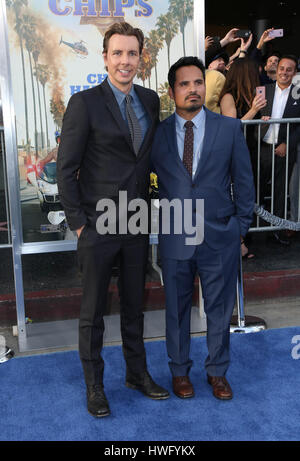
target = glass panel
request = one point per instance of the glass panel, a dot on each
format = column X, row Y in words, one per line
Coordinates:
column 52, row 286
column 7, row 289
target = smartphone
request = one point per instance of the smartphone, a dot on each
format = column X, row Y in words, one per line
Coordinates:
column 261, row 91
column 276, row 33
column 243, row 33
column 216, row 39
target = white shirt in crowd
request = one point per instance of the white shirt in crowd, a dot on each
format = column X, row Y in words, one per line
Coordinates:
column 279, row 103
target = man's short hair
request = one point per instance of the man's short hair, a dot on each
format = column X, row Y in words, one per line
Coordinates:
column 292, row 57
column 184, row 62
column 123, row 28
column 274, row 53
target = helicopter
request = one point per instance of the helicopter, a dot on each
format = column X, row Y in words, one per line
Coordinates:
column 77, row 47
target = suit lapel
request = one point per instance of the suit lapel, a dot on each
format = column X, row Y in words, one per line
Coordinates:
column 143, row 96
column 289, row 103
column 270, row 94
column 113, row 107
column 172, row 142
column 212, row 124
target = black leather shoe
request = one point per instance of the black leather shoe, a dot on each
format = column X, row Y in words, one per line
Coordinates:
column 97, row 403
column 144, row 383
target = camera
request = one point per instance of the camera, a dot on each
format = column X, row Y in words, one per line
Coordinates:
column 243, row 33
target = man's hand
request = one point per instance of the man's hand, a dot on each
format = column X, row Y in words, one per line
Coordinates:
column 208, row 42
column 264, row 38
column 229, row 38
column 246, row 44
column 78, row 231
column 281, row 150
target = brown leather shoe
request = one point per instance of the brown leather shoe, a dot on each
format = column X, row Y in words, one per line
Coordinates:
column 182, row 387
column 221, row 387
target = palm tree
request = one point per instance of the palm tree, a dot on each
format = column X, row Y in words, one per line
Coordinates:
column 43, row 76
column 166, row 103
column 167, row 28
column 144, row 71
column 57, row 107
column 149, row 63
column 182, row 11
column 35, row 54
column 28, row 28
column 154, row 43
column 17, row 6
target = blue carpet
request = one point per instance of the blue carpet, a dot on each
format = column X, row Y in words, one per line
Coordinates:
column 43, row 396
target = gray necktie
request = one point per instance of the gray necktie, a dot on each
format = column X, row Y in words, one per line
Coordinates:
column 134, row 126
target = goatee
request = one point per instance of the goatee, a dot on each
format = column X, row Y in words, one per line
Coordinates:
column 194, row 108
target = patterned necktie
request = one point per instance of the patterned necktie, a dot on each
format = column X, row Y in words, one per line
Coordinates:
column 188, row 147
column 134, row 126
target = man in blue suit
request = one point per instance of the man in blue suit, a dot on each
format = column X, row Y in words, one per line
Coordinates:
column 198, row 154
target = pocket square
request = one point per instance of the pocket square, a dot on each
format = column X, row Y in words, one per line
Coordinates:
column 295, row 103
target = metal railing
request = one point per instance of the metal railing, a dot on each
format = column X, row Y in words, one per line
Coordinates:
column 296, row 182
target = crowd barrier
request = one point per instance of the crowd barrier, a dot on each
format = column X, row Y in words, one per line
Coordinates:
column 274, row 223
column 292, row 189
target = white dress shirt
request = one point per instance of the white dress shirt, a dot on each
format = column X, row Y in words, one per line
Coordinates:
column 279, row 103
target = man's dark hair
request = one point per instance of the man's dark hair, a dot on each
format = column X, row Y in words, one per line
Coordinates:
column 123, row 28
column 184, row 62
column 273, row 53
column 292, row 57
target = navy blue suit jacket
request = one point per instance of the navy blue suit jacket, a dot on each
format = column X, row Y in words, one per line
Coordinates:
column 224, row 160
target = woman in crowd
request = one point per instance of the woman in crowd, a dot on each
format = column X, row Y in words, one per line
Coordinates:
column 238, row 99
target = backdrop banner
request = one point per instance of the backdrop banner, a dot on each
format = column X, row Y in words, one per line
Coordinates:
column 56, row 51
